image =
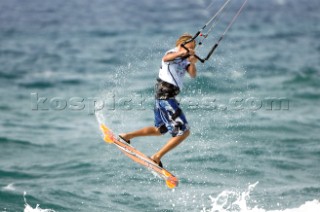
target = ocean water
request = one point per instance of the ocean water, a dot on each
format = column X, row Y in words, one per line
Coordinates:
column 253, row 108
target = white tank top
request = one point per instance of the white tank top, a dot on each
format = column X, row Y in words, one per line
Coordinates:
column 174, row 71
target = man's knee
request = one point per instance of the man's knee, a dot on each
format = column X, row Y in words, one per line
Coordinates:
column 183, row 134
column 186, row 133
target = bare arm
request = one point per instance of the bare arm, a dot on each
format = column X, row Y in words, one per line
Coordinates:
column 171, row 56
column 192, row 69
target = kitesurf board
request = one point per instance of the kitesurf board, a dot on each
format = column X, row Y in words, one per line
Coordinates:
column 139, row 157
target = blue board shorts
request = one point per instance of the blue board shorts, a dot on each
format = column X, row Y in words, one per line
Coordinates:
column 168, row 116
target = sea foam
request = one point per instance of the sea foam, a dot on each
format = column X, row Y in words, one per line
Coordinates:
column 231, row 201
column 28, row 208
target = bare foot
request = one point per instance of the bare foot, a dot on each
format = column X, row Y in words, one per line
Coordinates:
column 156, row 159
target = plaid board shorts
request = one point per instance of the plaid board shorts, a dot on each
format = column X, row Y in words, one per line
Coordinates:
column 169, row 117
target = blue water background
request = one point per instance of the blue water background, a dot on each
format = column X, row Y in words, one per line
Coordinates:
column 110, row 51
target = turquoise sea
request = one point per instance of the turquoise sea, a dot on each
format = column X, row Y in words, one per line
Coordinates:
column 253, row 108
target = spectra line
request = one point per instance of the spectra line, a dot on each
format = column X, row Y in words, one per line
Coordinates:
column 215, row 16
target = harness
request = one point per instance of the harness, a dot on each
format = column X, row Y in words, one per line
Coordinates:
column 165, row 90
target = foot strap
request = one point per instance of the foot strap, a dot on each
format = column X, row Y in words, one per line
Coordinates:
column 128, row 141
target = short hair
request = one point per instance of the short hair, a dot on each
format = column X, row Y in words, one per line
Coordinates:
column 183, row 38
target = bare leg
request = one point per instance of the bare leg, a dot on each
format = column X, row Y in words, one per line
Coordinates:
column 172, row 143
column 146, row 131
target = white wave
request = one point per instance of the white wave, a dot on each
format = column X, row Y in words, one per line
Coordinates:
column 9, row 187
column 28, row 208
column 231, row 201
column 309, row 206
